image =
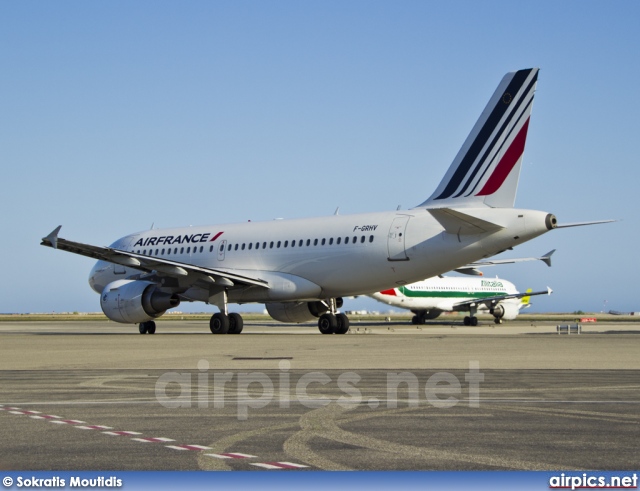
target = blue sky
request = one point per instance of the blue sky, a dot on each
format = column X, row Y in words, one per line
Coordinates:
column 118, row 115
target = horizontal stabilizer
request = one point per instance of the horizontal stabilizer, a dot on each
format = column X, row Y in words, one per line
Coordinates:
column 456, row 222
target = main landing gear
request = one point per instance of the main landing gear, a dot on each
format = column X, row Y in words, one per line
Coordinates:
column 471, row 319
column 148, row 327
column 332, row 322
column 226, row 324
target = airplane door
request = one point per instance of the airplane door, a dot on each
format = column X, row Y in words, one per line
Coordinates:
column 395, row 241
column 221, row 248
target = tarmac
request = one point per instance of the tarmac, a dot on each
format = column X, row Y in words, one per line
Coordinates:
column 96, row 395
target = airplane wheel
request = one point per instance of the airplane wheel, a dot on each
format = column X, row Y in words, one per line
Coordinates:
column 343, row 324
column 219, row 323
column 235, row 323
column 327, row 323
column 142, row 328
column 474, row 321
column 151, row 327
column 467, row 321
column 497, row 320
column 415, row 321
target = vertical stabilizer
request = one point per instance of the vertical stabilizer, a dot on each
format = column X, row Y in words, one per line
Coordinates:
column 487, row 167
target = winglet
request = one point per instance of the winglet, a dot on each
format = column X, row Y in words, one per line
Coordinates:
column 51, row 240
column 547, row 258
column 549, row 291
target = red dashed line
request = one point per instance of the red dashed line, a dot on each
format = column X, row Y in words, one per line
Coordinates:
column 76, row 424
column 279, row 465
column 231, row 455
column 153, row 440
column 188, row 447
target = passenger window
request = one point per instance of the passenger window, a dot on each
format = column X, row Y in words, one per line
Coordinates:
column 210, row 248
column 286, row 243
column 182, row 250
column 188, row 250
column 229, row 247
column 144, row 252
column 323, row 241
column 293, row 243
column 331, row 241
column 175, row 251
column 168, row 252
column 221, row 247
column 371, row 238
column 355, row 240
column 362, row 239
column 271, row 245
column 338, row 240
column 308, row 242
column 200, row 248
column 346, row 240
column 278, row 244
column 315, row 242
column 250, row 245
column 300, row 243
column 257, row 245
column 236, row 247
column 264, row 245
column 162, row 252
column 243, row 247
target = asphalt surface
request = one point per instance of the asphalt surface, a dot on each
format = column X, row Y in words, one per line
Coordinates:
column 99, row 396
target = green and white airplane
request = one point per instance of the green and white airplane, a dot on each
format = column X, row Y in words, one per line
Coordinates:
column 429, row 298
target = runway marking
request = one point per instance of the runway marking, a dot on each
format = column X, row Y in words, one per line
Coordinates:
column 94, row 427
column 67, row 421
column 153, row 440
column 46, row 416
column 121, row 433
column 279, row 465
column 231, row 456
column 188, row 447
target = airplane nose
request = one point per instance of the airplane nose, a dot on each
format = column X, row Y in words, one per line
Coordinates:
column 96, row 277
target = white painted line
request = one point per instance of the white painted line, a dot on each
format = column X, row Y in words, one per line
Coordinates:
column 279, row 465
column 188, row 447
column 94, row 427
column 231, row 455
column 122, row 433
column 153, row 440
column 66, row 421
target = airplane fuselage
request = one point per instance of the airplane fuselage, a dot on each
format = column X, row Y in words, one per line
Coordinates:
column 325, row 257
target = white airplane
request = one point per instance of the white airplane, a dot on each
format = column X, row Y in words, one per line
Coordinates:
column 427, row 299
column 302, row 268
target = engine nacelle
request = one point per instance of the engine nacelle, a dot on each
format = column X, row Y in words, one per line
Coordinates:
column 507, row 311
column 296, row 312
column 131, row 301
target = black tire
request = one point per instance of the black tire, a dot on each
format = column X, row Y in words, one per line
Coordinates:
column 142, row 328
column 151, row 327
column 467, row 321
column 343, row 324
column 235, row 323
column 414, row 320
column 219, row 323
column 498, row 320
column 327, row 323
column 474, row 321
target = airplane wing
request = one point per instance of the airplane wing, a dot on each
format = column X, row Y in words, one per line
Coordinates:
column 160, row 266
column 492, row 301
column 472, row 268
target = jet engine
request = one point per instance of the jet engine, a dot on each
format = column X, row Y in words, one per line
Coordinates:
column 508, row 311
column 131, row 301
column 296, row 312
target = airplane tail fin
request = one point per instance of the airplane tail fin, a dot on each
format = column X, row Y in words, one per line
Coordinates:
column 487, row 167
